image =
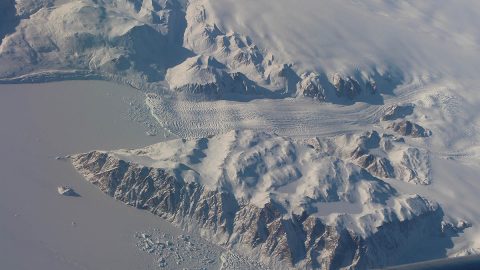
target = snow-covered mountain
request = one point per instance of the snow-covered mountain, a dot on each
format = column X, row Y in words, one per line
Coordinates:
column 324, row 134
column 142, row 42
column 127, row 41
column 288, row 203
column 380, row 46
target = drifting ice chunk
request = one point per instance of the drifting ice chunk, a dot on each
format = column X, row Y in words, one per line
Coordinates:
column 67, row 191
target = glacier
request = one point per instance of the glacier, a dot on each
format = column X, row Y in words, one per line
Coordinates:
column 318, row 134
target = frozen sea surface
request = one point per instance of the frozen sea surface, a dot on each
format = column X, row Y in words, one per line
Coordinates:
column 40, row 229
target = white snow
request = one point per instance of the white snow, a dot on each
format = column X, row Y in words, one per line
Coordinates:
column 41, row 230
column 260, row 167
column 432, row 45
column 290, row 117
column 426, row 52
column 417, row 38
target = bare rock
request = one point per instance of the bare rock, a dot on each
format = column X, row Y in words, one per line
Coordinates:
column 205, row 75
column 407, row 128
column 270, row 232
column 347, row 87
column 371, row 86
column 310, row 86
column 383, row 156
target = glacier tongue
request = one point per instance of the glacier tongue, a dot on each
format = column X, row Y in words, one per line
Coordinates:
column 262, row 195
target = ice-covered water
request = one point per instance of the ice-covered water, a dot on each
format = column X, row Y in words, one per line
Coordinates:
column 93, row 231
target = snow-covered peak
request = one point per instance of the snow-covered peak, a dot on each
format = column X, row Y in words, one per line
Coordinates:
column 251, row 191
column 261, row 167
column 196, row 70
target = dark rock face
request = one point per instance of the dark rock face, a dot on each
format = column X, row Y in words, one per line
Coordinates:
column 407, row 128
column 347, row 87
column 371, row 87
column 240, row 84
column 377, row 154
column 226, row 84
column 275, row 239
column 378, row 166
column 209, row 89
column 310, row 86
column 210, row 78
column 355, row 87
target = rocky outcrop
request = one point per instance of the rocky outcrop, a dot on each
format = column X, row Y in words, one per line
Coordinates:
column 205, row 75
column 395, row 112
column 310, row 86
column 384, row 156
column 371, row 87
column 346, row 87
column 407, row 128
column 351, row 88
column 378, row 166
column 179, row 181
column 236, row 52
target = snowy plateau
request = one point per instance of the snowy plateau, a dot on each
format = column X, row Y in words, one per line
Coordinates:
column 303, row 134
